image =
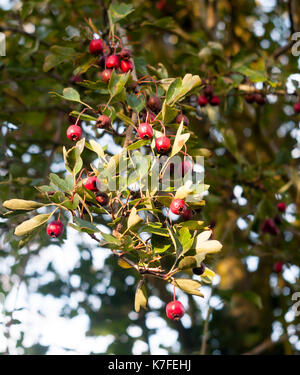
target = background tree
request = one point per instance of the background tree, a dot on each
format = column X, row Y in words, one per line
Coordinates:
column 239, row 47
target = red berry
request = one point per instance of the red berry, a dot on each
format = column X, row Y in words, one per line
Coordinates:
column 126, row 66
column 199, row 270
column 55, row 228
column 92, row 183
column 178, row 206
column 268, row 226
column 74, row 132
column 125, row 54
column 102, row 199
column 154, row 103
column 202, row 101
column 297, row 107
column 96, row 46
column 175, row 310
column 185, row 167
column 281, row 206
column 163, row 144
column 215, row 100
column 250, row 98
column 113, row 61
column 103, row 122
column 260, row 99
column 278, row 267
column 105, row 75
column 187, row 214
column 145, row 131
column 179, row 118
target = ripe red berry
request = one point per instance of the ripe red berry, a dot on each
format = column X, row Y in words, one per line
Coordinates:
column 175, row 310
column 74, row 132
column 199, row 270
column 103, row 122
column 154, row 103
column 281, row 206
column 185, row 119
column 102, row 199
column 105, row 75
column 187, row 214
column 250, row 98
column 112, row 61
column 178, row 206
column 260, row 98
column 96, row 46
column 215, row 100
column 126, row 66
column 163, row 144
column 145, row 131
column 55, row 228
column 125, row 54
column 297, row 107
column 92, row 183
column 268, row 226
column 278, row 267
column 202, row 101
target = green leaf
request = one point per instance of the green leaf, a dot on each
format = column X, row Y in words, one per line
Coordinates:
column 137, row 103
column 71, row 94
column 118, row 11
column 192, row 224
column 168, row 113
column 180, row 88
column 254, row 75
column 72, row 205
column 185, row 239
column 160, row 244
column 138, row 144
column 72, row 157
column 64, row 185
column 84, row 116
column 97, row 148
column 189, row 286
column 27, row 9
column 176, row 242
column 117, row 82
column 155, row 228
column 57, row 56
column 140, row 297
column 85, row 226
column 30, row 225
column 125, row 119
column 180, row 140
column 20, row 204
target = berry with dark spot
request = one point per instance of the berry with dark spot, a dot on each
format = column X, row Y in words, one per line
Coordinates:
column 281, row 206
column 250, row 98
column 145, row 131
column 178, row 206
column 92, row 183
column 163, row 144
column 260, row 98
column 297, row 107
column 74, row 132
column 125, row 54
column 55, row 228
column 215, row 100
column 202, row 101
column 268, row 226
column 103, row 122
column 175, row 310
column 278, row 267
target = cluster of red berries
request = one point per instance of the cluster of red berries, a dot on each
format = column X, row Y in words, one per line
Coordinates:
column 112, row 61
column 269, row 225
column 256, row 97
column 56, row 228
column 208, row 97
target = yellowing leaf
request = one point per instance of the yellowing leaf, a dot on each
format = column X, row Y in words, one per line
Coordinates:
column 140, row 297
column 189, row 286
column 21, row 204
column 122, row 263
column 30, row 225
column 133, row 218
column 208, row 247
